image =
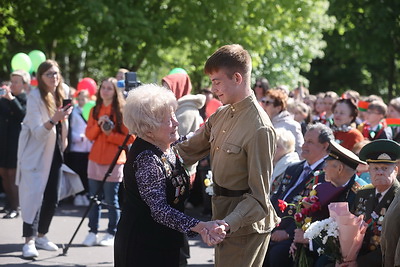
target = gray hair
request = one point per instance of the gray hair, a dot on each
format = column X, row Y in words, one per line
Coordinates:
column 286, row 139
column 325, row 133
column 146, row 107
column 26, row 77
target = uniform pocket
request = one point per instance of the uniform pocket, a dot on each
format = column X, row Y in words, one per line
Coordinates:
column 231, row 149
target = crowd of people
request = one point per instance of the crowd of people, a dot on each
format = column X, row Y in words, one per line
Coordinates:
column 264, row 146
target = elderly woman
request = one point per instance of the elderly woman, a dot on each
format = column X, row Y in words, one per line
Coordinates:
column 284, row 156
column 275, row 104
column 152, row 224
column 345, row 112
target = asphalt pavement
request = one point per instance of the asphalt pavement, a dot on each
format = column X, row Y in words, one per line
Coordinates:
column 62, row 228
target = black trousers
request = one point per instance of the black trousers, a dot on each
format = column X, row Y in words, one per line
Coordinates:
column 50, row 200
column 78, row 162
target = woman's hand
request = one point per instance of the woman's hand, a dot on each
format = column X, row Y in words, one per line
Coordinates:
column 62, row 114
column 211, row 232
column 101, row 121
column 8, row 95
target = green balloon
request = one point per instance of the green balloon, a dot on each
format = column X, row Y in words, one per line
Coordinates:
column 86, row 109
column 21, row 61
column 177, row 70
column 37, row 57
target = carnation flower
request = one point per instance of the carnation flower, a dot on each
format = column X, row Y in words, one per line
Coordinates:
column 298, row 216
column 282, row 205
column 314, row 199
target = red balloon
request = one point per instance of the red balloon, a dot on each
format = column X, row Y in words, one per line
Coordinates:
column 87, row 84
column 212, row 106
column 34, row 82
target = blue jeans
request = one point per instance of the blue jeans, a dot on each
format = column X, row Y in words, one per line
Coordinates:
column 109, row 196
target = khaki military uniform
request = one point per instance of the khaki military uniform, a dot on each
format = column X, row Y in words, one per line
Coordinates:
column 390, row 238
column 240, row 140
column 370, row 253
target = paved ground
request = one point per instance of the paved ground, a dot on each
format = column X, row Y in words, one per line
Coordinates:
column 64, row 224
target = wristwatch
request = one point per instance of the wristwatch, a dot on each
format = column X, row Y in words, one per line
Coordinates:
column 52, row 122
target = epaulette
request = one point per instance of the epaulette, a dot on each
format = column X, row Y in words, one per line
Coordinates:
column 368, row 186
column 356, row 186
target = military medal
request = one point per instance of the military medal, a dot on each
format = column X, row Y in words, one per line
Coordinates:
column 183, row 190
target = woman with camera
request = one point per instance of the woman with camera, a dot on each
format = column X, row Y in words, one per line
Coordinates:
column 105, row 128
column 41, row 143
column 12, row 112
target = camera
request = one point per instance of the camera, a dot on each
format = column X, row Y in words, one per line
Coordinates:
column 107, row 125
column 3, row 91
column 131, row 81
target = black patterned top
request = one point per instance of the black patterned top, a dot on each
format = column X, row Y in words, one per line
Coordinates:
column 152, row 173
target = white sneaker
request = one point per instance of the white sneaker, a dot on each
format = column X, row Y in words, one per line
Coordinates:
column 29, row 250
column 90, row 240
column 44, row 243
column 78, row 200
column 107, row 240
column 85, row 201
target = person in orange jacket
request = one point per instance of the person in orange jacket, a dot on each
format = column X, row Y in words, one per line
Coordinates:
column 105, row 128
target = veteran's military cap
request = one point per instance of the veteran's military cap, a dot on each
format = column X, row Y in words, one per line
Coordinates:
column 344, row 155
column 381, row 151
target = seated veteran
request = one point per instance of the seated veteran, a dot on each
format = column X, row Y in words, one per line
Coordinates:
column 341, row 172
column 299, row 179
column 342, row 184
column 373, row 200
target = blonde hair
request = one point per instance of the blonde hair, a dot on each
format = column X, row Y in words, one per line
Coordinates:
column 146, row 107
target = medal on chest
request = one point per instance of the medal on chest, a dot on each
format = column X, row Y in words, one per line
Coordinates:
column 178, row 179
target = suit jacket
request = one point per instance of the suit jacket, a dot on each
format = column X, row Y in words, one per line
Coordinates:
column 290, row 178
column 363, row 204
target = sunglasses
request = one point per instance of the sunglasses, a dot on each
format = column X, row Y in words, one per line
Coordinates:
column 267, row 102
column 258, row 85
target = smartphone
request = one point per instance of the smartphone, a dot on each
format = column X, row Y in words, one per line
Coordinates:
column 67, row 103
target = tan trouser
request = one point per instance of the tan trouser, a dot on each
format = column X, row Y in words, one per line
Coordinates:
column 242, row 251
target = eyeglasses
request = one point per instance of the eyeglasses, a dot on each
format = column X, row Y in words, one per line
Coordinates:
column 51, row 74
column 267, row 102
column 371, row 112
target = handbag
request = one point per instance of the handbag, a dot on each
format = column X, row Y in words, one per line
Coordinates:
column 70, row 183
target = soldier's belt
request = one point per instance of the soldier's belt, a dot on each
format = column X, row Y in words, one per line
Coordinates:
column 221, row 191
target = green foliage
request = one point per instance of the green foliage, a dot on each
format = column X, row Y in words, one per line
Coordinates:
column 94, row 38
column 363, row 50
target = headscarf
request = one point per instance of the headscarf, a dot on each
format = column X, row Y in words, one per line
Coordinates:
column 179, row 84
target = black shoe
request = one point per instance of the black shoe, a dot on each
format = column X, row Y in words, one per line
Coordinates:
column 5, row 210
column 11, row 214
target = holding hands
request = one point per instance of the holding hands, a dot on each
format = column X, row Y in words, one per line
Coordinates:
column 212, row 232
